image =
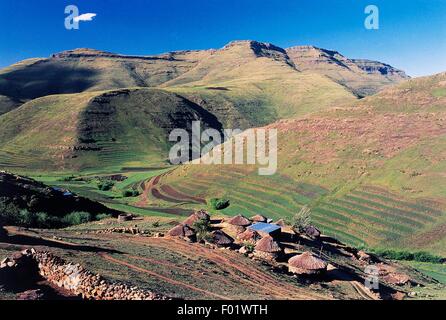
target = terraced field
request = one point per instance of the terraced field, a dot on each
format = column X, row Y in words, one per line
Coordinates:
column 366, row 216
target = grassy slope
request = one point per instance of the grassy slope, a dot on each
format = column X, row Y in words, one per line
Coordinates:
column 378, row 164
column 245, row 84
column 92, row 131
column 89, row 70
column 250, row 87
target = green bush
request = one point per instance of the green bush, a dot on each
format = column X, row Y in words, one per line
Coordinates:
column 130, row 193
column 106, row 185
column 419, row 256
column 103, row 216
column 202, row 228
column 156, row 224
column 219, row 204
column 76, row 218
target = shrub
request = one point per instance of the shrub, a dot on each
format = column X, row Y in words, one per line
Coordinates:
column 106, row 185
column 9, row 212
column 103, row 216
column 202, row 228
column 130, row 193
column 249, row 246
column 302, row 220
column 156, row 224
column 67, row 179
column 219, row 204
column 76, row 218
column 26, row 218
column 419, row 256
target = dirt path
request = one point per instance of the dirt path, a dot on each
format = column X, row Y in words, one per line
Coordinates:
column 168, row 190
column 242, row 271
column 166, row 279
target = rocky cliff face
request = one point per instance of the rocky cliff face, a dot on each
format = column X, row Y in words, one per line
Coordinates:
column 376, row 67
column 363, row 77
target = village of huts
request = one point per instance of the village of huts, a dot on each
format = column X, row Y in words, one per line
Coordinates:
column 257, row 237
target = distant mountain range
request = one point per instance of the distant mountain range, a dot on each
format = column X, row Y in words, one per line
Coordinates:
column 245, row 84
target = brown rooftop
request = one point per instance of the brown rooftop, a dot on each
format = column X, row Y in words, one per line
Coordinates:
column 259, row 218
column 249, row 235
column 181, row 230
column 267, row 244
column 221, row 239
column 240, row 221
column 198, row 215
column 307, row 263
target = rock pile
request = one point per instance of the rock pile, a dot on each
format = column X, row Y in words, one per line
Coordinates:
column 76, row 279
column 127, row 230
column 125, row 217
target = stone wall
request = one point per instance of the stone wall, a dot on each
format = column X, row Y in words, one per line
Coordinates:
column 77, row 280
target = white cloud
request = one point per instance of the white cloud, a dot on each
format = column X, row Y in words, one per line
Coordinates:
column 85, row 17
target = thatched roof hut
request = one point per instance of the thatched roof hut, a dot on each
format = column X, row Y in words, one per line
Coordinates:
column 267, row 248
column 221, row 239
column 240, row 221
column 198, row 215
column 249, row 236
column 259, row 218
column 307, row 263
column 182, row 231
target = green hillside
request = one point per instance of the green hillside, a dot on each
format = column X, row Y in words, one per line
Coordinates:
column 372, row 171
column 83, row 70
column 260, row 82
column 96, row 130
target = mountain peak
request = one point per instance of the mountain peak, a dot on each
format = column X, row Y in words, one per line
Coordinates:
column 82, row 52
column 256, row 46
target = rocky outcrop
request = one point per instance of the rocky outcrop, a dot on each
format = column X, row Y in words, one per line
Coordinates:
column 125, row 230
column 363, row 77
column 71, row 277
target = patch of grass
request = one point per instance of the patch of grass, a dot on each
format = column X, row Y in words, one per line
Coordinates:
column 418, row 256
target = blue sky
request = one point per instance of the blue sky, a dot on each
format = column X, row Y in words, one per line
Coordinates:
column 412, row 33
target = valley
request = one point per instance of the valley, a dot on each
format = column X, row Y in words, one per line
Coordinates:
column 360, row 143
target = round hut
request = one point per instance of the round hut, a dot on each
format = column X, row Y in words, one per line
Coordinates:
column 249, row 235
column 238, row 224
column 259, row 218
column 198, row 215
column 239, row 221
column 182, row 231
column 267, row 248
column 221, row 239
column 307, row 264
